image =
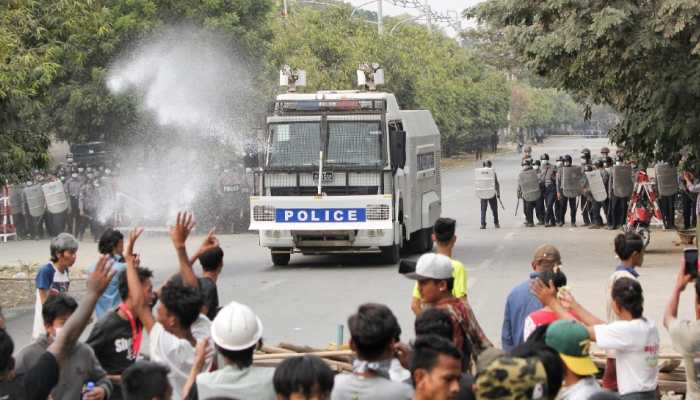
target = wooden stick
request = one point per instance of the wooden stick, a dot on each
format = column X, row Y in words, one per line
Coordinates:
column 274, row 350
column 338, row 366
column 307, row 349
column 322, row 354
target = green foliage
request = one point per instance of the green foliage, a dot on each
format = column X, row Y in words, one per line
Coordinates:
column 639, row 57
column 424, row 70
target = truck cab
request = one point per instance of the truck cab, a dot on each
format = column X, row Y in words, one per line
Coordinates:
column 346, row 172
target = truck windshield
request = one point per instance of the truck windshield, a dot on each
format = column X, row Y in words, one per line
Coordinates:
column 356, row 143
column 294, row 144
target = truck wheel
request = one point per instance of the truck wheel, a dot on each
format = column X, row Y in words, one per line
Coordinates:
column 421, row 241
column 280, row 260
column 390, row 254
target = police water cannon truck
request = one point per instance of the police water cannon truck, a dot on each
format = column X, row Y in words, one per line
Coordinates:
column 346, row 172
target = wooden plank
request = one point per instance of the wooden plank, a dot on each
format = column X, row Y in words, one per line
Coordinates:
column 321, row 354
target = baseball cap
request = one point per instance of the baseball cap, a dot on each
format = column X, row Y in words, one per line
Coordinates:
column 511, row 378
column 432, row 266
column 570, row 339
column 547, row 253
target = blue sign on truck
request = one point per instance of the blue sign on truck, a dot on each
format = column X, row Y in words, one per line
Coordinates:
column 320, row 215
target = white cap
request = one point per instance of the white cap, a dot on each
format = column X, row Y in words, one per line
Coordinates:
column 432, row 266
column 236, row 327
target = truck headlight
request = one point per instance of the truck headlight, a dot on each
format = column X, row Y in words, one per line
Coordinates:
column 263, row 213
column 378, row 212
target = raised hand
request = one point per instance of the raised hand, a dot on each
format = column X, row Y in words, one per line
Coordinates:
column 210, row 242
column 547, row 294
column 99, row 279
column 133, row 237
column 182, row 228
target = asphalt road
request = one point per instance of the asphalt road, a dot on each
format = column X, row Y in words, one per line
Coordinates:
column 306, row 301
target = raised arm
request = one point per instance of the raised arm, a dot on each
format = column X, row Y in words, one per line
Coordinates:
column 97, row 282
column 135, row 288
column 548, row 296
column 682, row 281
column 178, row 234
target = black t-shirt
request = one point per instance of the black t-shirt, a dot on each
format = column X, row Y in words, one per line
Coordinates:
column 35, row 384
column 111, row 339
column 209, row 292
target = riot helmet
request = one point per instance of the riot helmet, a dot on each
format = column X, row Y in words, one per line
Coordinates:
column 567, row 160
column 544, row 157
column 487, row 164
column 604, row 151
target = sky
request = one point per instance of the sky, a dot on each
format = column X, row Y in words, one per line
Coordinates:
column 441, row 6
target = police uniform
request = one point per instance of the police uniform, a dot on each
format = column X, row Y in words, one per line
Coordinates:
column 73, row 191
column 88, row 207
column 617, row 210
column 493, row 203
column 688, row 200
column 565, row 202
column 528, row 206
column 539, row 203
column 547, row 177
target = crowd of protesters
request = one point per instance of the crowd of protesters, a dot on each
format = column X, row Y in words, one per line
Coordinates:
column 199, row 350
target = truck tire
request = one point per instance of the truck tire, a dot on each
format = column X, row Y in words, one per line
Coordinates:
column 280, row 259
column 421, row 241
column 390, row 254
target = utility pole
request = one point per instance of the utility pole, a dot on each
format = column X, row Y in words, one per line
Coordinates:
column 285, row 12
column 380, row 18
column 429, row 16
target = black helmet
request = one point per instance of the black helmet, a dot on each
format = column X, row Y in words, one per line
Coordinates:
column 567, row 158
column 537, row 162
column 604, row 150
column 560, row 158
column 544, row 156
column 487, row 164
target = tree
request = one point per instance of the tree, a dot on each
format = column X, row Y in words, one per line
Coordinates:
column 639, row 57
column 424, row 70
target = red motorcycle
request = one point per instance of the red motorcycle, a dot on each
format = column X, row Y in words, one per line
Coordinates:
column 642, row 208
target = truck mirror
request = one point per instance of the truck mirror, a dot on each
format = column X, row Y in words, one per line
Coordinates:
column 397, row 151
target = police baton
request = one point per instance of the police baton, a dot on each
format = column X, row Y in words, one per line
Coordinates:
column 501, row 201
column 517, row 205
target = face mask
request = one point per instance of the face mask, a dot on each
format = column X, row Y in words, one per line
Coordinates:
column 559, row 163
column 97, row 184
column 74, row 175
column 536, row 167
column 618, row 163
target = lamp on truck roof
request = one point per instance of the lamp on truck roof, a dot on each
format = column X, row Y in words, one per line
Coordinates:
column 370, row 75
column 292, row 78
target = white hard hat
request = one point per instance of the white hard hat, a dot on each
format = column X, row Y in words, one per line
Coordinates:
column 236, row 327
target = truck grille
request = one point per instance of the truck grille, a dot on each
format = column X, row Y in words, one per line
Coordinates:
column 378, row 212
column 263, row 213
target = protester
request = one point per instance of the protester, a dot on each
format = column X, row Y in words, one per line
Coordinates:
column 53, row 278
column 237, row 333
column 511, row 378
column 147, row 381
column 116, row 337
column 40, row 379
column 634, row 338
column 435, row 282
column 544, row 316
column 435, row 368
column 210, row 256
column 434, row 321
column 81, row 366
column 373, row 335
column 112, row 244
column 445, row 239
column 571, row 341
column 521, row 302
column 685, row 335
column 178, row 324
column 552, row 363
column 629, row 248
column 303, row 378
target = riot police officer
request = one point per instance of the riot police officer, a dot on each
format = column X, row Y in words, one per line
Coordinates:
column 539, row 203
column 585, row 199
column 597, row 206
column 87, row 205
column 620, row 190
column 73, row 188
column 563, row 197
column 492, row 201
column 548, row 186
column 667, row 188
column 604, row 153
column 526, row 193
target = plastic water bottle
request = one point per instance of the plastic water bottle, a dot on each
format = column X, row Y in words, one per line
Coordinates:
column 87, row 388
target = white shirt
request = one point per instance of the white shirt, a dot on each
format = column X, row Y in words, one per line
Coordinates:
column 636, row 344
column 178, row 354
column 60, row 280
